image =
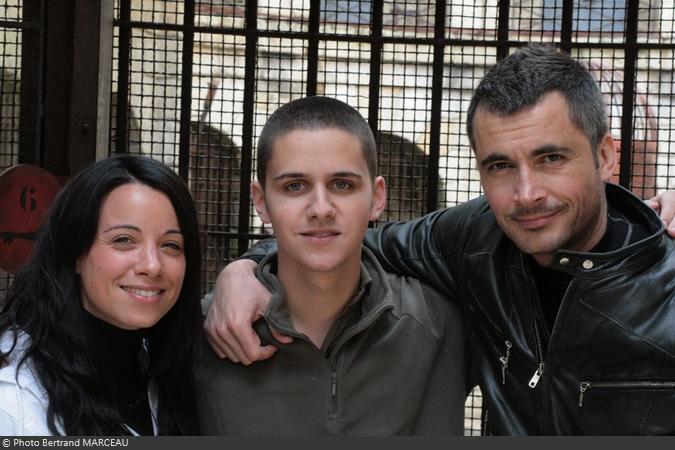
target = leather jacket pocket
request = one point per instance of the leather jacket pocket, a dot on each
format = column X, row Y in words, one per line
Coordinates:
column 588, row 387
column 497, row 342
column 637, row 406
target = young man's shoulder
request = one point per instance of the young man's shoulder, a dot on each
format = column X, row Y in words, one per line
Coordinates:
column 436, row 312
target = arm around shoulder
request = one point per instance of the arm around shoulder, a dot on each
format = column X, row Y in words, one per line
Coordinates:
column 428, row 248
column 664, row 204
column 239, row 299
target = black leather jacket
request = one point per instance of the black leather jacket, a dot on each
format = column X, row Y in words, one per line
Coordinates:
column 608, row 364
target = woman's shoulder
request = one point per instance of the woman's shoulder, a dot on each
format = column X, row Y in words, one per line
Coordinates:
column 23, row 401
column 13, row 371
column 18, row 343
column 21, row 411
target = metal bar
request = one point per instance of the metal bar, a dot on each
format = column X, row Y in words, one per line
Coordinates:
column 186, row 89
column 566, row 25
column 367, row 39
column 31, row 92
column 436, row 102
column 149, row 25
column 630, row 62
column 313, row 46
column 375, row 65
column 105, row 52
column 24, row 25
column 503, row 29
column 57, row 85
column 83, row 95
column 247, row 125
column 121, row 121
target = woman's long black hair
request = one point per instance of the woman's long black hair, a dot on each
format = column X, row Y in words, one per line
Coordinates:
column 45, row 302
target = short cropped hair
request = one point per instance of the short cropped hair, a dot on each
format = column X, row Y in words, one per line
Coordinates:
column 520, row 80
column 315, row 113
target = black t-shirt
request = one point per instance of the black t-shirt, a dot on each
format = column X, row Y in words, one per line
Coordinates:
column 552, row 284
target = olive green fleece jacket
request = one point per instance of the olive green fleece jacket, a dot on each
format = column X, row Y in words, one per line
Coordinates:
column 392, row 364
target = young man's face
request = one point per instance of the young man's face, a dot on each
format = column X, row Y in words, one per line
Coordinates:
column 541, row 179
column 319, row 197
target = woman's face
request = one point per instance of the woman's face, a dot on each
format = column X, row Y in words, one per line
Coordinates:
column 133, row 272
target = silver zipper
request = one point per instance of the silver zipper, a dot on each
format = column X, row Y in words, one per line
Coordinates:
column 585, row 386
column 535, row 378
column 504, row 360
column 540, row 368
column 540, row 354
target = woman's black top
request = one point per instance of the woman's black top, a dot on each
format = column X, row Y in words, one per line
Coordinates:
column 121, row 354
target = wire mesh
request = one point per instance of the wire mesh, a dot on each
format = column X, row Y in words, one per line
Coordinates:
column 464, row 67
column 11, row 32
column 13, row 27
column 408, row 18
column 290, row 15
column 10, row 96
column 221, row 14
column 351, row 18
column 404, row 114
column 468, row 20
column 215, row 144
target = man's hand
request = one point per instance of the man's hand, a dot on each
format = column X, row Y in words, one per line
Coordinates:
column 664, row 204
column 239, row 299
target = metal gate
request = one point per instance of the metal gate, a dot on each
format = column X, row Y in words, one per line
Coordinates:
column 21, row 76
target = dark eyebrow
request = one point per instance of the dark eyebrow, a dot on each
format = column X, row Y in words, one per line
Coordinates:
column 341, row 174
column 550, row 148
column 347, row 175
column 116, row 227
column 543, row 150
column 135, row 228
column 289, row 175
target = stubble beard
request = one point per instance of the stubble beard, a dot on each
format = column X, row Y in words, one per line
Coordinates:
column 576, row 232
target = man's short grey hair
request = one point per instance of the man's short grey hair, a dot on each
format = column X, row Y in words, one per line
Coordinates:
column 520, row 80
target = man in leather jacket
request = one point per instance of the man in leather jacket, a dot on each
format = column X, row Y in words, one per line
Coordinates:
column 567, row 282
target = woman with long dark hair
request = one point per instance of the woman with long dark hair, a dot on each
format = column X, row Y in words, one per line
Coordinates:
column 98, row 331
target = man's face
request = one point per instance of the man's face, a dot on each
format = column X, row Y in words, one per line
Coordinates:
column 319, row 197
column 541, row 179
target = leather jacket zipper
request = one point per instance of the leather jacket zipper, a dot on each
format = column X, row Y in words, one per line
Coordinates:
column 537, row 374
column 504, row 360
column 540, row 354
column 586, row 386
